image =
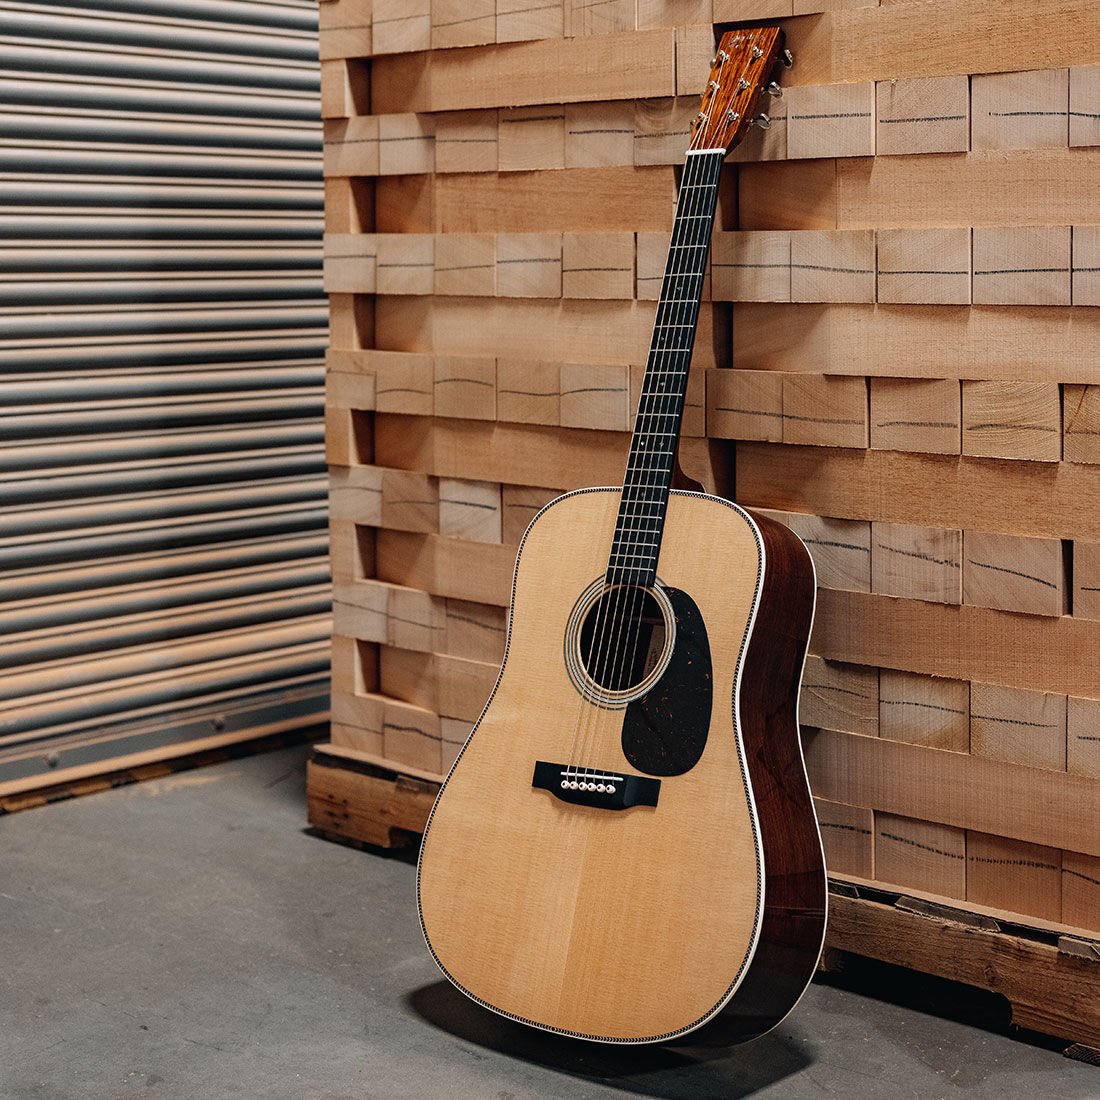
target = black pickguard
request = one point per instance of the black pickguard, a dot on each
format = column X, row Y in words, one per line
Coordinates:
column 665, row 732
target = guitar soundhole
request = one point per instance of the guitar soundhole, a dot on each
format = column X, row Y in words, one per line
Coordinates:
column 620, row 641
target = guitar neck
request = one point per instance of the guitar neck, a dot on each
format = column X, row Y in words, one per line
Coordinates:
column 640, row 522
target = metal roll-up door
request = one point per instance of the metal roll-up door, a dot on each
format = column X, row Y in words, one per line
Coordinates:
column 163, row 556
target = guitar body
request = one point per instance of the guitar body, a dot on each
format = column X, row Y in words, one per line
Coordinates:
column 645, row 923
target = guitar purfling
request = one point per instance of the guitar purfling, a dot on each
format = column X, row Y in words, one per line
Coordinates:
column 626, row 849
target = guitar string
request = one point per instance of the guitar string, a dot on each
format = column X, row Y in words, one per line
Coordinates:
column 635, row 547
column 677, row 398
column 672, row 397
column 604, row 610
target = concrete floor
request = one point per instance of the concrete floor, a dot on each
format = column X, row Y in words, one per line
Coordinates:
column 187, row 938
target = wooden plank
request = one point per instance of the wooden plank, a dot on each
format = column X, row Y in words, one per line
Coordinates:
column 744, row 404
column 1080, row 889
column 1020, row 110
column 520, row 20
column 1048, row 990
column 344, row 29
column 1085, row 250
column 597, row 265
column 846, row 836
column 923, row 115
column 661, row 129
column 1018, row 187
column 751, row 267
column 603, row 17
column 1086, row 580
column 1084, row 106
column 404, row 383
column 840, row 548
column 1020, row 726
column 531, row 138
column 599, row 135
column 475, row 571
column 475, row 631
column 962, row 643
column 595, row 396
column 832, row 120
column 436, row 682
column 406, row 263
column 465, row 264
column 924, row 265
column 839, row 696
column 917, row 562
column 1012, row 420
column 825, row 411
column 937, row 489
column 351, row 146
column 570, row 70
column 916, row 414
column 922, row 854
column 528, row 391
column 465, row 387
column 469, row 509
column 521, row 504
column 1081, row 423
column 924, row 710
column 410, row 501
column 1022, row 265
column 582, row 199
column 833, row 265
column 1009, row 874
column 406, row 144
column 1083, row 737
column 467, row 141
column 401, row 26
column 462, row 23
column 1015, row 573
column 528, row 265
column 956, row 789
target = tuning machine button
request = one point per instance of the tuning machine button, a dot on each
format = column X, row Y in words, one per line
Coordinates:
column 787, row 58
column 763, row 121
column 774, row 90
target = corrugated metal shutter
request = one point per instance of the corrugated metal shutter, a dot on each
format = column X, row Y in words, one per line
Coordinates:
column 163, row 568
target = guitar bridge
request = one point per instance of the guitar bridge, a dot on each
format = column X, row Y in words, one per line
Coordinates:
column 603, row 790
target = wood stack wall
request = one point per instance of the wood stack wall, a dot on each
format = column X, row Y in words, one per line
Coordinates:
column 898, row 357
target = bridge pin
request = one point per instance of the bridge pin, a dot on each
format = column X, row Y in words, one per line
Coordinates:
column 565, row 784
column 610, row 790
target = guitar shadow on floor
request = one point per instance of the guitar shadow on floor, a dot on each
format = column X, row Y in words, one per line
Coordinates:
column 669, row 1073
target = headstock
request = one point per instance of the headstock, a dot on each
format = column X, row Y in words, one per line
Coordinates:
column 741, row 73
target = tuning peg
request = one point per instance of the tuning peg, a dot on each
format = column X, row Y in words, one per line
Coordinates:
column 763, row 121
column 787, row 58
column 757, row 53
column 773, row 89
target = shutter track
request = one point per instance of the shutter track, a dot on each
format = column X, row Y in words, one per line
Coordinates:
column 163, row 546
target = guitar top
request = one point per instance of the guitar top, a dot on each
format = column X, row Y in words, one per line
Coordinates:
column 625, row 849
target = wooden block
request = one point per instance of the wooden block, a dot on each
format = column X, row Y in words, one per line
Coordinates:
column 1086, row 265
column 469, row 510
column 402, row 26
column 924, row 265
column 1081, row 890
column 351, row 321
column 825, row 411
column 1081, row 419
column 1012, row 420
column 349, row 203
column 1015, row 573
column 846, row 836
column 1086, row 580
column 357, row 721
column 743, row 11
column 918, row 563
column 1083, row 737
column 351, row 550
column 406, row 263
column 693, row 424
column 411, row 736
column 465, row 264
column 406, row 204
column 751, row 267
column 355, row 494
column 1024, row 265
column 475, row 631
column 695, row 41
column 520, row 20
column 836, row 120
column 529, row 265
column 597, row 265
column 840, row 548
column 916, row 414
column 599, row 17
column 521, row 504
column 466, row 387
column 467, row 141
column 345, row 89
column 595, row 396
column 414, row 619
column 1019, row 726
column 351, row 146
column 1009, row 874
column 924, row 710
column 351, row 263
column 1084, row 106
column 839, row 697
column 359, row 610
column 344, row 29
column 405, row 383
column 406, row 145
column 661, row 129
column 652, row 253
column 463, row 23
column 744, row 404
column 1028, row 110
column 454, row 732
column 675, row 13
column 759, row 144
column 920, row 854
column 812, row 7
column 531, row 138
column 477, row 571
column 528, row 391
column 599, row 134
column 923, row 115
column 410, row 501
column 354, row 667
column 439, row 683
column 833, row 265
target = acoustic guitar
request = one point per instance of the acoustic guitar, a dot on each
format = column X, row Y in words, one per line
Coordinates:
column 626, row 849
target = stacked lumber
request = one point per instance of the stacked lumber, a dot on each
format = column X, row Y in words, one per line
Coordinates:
column 896, row 358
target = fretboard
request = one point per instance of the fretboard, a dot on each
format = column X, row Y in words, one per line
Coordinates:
column 640, row 522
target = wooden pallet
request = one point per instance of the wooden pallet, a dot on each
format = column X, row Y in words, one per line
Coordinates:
column 1048, row 976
